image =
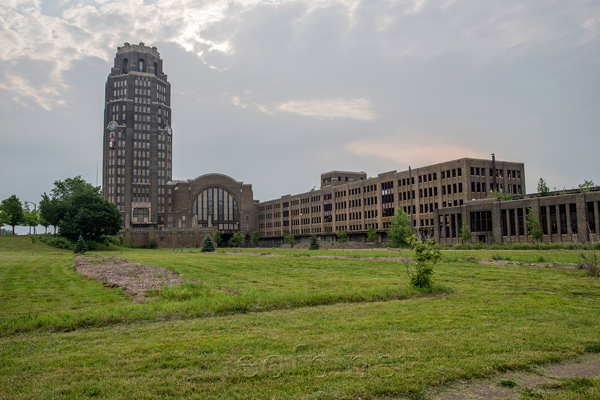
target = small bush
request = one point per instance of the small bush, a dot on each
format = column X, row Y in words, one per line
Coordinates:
column 426, row 257
column 153, row 244
column 508, row 384
column 59, row 242
column 592, row 347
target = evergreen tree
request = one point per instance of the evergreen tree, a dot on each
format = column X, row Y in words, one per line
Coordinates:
column 207, row 245
column 314, row 243
column 80, row 247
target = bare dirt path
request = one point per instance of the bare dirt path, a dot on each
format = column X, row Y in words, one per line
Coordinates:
column 134, row 279
column 539, row 380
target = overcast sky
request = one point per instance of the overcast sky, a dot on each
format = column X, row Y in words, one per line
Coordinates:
column 274, row 93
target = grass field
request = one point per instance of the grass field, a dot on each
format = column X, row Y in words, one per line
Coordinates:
column 296, row 326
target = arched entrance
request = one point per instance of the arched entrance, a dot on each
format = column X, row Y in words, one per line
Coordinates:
column 216, row 207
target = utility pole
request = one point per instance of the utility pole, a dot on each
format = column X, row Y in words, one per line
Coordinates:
column 412, row 230
column 493, row 172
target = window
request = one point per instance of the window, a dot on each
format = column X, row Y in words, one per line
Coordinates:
column 141, row 66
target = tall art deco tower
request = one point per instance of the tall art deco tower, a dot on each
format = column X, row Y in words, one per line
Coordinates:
column 137, row 161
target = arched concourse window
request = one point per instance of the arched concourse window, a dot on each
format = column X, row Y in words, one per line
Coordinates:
column 217, row 207
column 125, row 66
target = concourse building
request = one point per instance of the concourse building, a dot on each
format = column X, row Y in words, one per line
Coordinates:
column 137, row 178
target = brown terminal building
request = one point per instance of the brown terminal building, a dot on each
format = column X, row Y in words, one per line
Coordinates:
column 137, row 178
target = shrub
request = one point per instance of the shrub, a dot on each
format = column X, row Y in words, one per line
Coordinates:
column 588, row 257
column 153, row 244
column 425, row 258
column 58, row 241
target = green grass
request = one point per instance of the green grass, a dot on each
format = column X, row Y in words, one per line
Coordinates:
column 326, row 328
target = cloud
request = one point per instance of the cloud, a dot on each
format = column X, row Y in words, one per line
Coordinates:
column 408, row 152
column 357, row 109
column 487, row 30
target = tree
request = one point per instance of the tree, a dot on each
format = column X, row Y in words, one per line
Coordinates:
column 586, row 186
column 342, row 237
column 465, row 233
column 371, row 234
column 425, row 259
column 255, row 238
column 400, row 230
column 80, row 247
column 237, row 239
column 33, row 239
column 533, row 227
column 314, row 242
column 13, row 214
column 217, row 238
column 50, row 211
column 207, row 245
column 79, row 209
column 500, row 194
column 542, row 188
column 32, row 218
column 289, row 238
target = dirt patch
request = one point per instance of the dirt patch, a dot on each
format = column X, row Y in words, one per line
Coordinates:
column 537, row 379
column 134, row 279
column 490, row 261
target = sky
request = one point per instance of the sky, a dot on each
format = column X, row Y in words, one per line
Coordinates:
column 274, row 93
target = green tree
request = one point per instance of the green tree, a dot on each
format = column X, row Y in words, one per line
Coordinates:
column 465, row 233
column 371, row 234
column 81, row 210
column 542, row 188
column 500, row 194
column 314, row 242
column 255, row 238
column 80, row 247
column 342, row 237
column 51, row 211
column 217, row 238
column 289, row 238
column 400, row 229
column 207, row 245
column 425, row 259
column 33, row 239
column 13, row 214
column 533, row 227
column 586, row 186
column 32, row 218
column 237, row 239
